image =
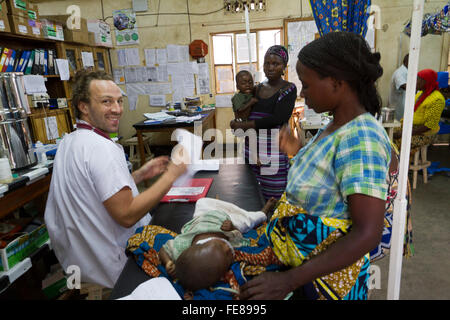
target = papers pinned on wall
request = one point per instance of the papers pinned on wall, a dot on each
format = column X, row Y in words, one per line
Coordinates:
column 51, row 127
column 223, row 101
column 119, row 76
column 87, row 58
column 158, row 100
column 63, row 69
column 128, row 57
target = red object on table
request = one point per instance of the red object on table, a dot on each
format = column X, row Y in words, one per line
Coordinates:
column 203, row 182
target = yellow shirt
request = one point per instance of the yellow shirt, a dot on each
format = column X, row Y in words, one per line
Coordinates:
column 429, row 112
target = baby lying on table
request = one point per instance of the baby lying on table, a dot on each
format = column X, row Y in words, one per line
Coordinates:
column 203, row 252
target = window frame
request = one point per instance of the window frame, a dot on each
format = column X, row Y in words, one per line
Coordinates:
column 234, row 65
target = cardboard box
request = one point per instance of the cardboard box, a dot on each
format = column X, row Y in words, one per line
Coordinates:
column 91, row 37
column 17, row 7
column 4, row 24
column 64, row 20
column 76, row 36
column 22, row 247
column 36, row 29
column 52, row 29
column 19, row 25
column 3, row 9
column 102, row 32
column 33, row 11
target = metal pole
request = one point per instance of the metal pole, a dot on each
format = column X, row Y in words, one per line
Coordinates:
column 400, row 203
column 247, row 29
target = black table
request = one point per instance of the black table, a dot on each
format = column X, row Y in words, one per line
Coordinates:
column 233, row 183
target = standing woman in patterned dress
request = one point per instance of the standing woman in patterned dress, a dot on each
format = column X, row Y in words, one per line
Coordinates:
column 276, row 100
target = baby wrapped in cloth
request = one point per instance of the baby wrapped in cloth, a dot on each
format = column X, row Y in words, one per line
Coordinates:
column 252, row 254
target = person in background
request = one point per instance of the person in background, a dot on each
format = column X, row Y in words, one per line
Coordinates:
column 331, row 214
column 276, row 100
column 428, row 108
column 93, row 205
column 398, row 89
column 244, row 99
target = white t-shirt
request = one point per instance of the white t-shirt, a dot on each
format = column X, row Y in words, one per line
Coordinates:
column 88, row 170
column 397, row 95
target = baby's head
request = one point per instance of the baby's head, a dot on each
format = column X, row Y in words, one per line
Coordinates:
column 244, row 81
column 202, row 265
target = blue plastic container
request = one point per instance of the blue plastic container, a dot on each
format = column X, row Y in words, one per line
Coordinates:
column 442, row 79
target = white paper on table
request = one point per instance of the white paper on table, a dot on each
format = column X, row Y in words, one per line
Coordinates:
column 192, row 145
column 150, row 57
column 51, row 128
column 161, row 56
column 158, row 100
column 63, row 69
column 223, row 101
column 185, row 191
column 154, row 289
column 207, row 165
column 34, row 84
column 132, row 56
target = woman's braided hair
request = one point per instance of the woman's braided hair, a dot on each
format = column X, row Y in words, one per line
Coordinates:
column 346, row 56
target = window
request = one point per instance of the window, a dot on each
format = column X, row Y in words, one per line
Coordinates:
column 231, row 54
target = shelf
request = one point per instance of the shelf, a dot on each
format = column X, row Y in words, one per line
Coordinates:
column 8, row 277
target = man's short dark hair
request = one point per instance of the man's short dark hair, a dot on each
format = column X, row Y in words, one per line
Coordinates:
column 80, row 91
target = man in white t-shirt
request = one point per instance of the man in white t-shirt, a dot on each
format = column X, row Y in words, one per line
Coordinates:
column 398, row 89
column 93, row 205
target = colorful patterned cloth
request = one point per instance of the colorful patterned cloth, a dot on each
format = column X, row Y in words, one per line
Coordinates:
column 296, row 236
column 250, row 261
column 385, row 245
column 341, row 15
column 433, row 23
column 353, row 159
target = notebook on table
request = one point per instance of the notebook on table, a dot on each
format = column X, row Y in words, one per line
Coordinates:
column 190, row 191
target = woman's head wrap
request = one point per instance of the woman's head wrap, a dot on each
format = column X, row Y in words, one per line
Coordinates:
column 430, row 76
column 279, row 51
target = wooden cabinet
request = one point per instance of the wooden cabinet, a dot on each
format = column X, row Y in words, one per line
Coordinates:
column 74, row 54
column 98, row 58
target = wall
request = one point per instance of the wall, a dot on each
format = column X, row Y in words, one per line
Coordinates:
column 158, row 31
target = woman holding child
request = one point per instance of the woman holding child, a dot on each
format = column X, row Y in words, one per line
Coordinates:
column 276, row 100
